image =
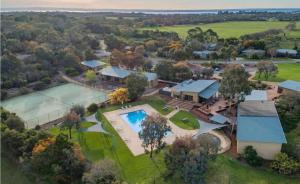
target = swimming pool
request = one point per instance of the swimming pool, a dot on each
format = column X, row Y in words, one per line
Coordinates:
column 134, row 119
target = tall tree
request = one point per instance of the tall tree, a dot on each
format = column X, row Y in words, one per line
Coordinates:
column 234, row 82
column 187, row 158
column 70, row 120
column 165, row 70
column 154, row 129
column 268, row 68
column 182, row 71
column 91, row 76
column 136, row 84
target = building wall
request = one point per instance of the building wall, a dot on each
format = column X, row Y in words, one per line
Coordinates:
column 181, row 95
column 265, row 150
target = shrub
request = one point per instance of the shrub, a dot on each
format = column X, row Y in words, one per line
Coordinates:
column 284, row 164
column 46, row 80
column 104, row 171
column 14, row 122
column 78, row 109
column 24, row 91
column 3, row 94
column 71, row 71
column 93, row 107
column 39, row 86
column 251, row 157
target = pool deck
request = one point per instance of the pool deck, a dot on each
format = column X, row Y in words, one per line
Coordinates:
column 131, row 138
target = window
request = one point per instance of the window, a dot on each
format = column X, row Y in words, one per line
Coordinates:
column 188, row 97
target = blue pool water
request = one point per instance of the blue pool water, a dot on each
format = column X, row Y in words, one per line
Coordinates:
column 135, row 118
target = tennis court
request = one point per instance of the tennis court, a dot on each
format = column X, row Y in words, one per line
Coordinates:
column 43, row 106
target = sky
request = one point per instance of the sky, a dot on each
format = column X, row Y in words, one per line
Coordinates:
column 151, row 4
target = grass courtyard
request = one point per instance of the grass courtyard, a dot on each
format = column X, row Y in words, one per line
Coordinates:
column 286, row 71
column 227, row 29
column 185, row 120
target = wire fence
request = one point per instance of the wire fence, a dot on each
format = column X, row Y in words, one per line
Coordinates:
column 52, row 115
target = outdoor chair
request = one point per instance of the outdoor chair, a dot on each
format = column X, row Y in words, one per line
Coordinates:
column 165, row 108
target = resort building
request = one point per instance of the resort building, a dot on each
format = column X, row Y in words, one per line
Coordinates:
column 257, row 95
column 203, row 54
column 258, row 125
column 196, row 90
column 93, row 64
column 289, row 86
column 116, row 74
column 286, row 53
column 250, row 53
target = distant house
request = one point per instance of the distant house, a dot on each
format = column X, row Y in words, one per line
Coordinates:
column 258, row 125
column 257, row 95
column 152, row 78
column 102, row 53
column 203, row 54
column 116, row 74
column 252, row 53
column 210, row 46
column 196, row 90
column 93, row 64
column 289, row 85
column 286, row 53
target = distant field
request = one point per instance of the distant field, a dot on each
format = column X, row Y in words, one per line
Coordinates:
column 286, row 71
column 229, row 29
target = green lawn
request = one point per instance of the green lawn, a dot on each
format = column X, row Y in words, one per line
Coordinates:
column 142, row 169
column 286, row 71
column 227, row 29
column 227, row 170
column 11, row 173
column 156, row 101
column 190, row 123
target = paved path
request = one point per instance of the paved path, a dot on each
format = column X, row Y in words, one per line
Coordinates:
column 70, row 80
column 225, row 142
column 172, row 113
column 95, row 128
column 151, row 93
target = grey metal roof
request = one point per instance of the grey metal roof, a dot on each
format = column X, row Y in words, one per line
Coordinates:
column 193, row 86
column 218, row 118
column 260, row 129
column 291, row 85
column 150, row 76
column 284, row 51
column 257, row 108
column 115, row 72
column 210, row 91
column 257, row 95
column 92, row 63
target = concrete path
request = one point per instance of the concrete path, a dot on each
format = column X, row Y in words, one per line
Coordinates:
column 168, row 116
column 97, row 127
column 225, row 142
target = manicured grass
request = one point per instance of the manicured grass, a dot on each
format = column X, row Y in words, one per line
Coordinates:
column 227, row 170
column 286, row 71
column 12, row 174
column 226, row 29
column 96, row 146
column 190, row 123
column 142, row 169
column 156, row 101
